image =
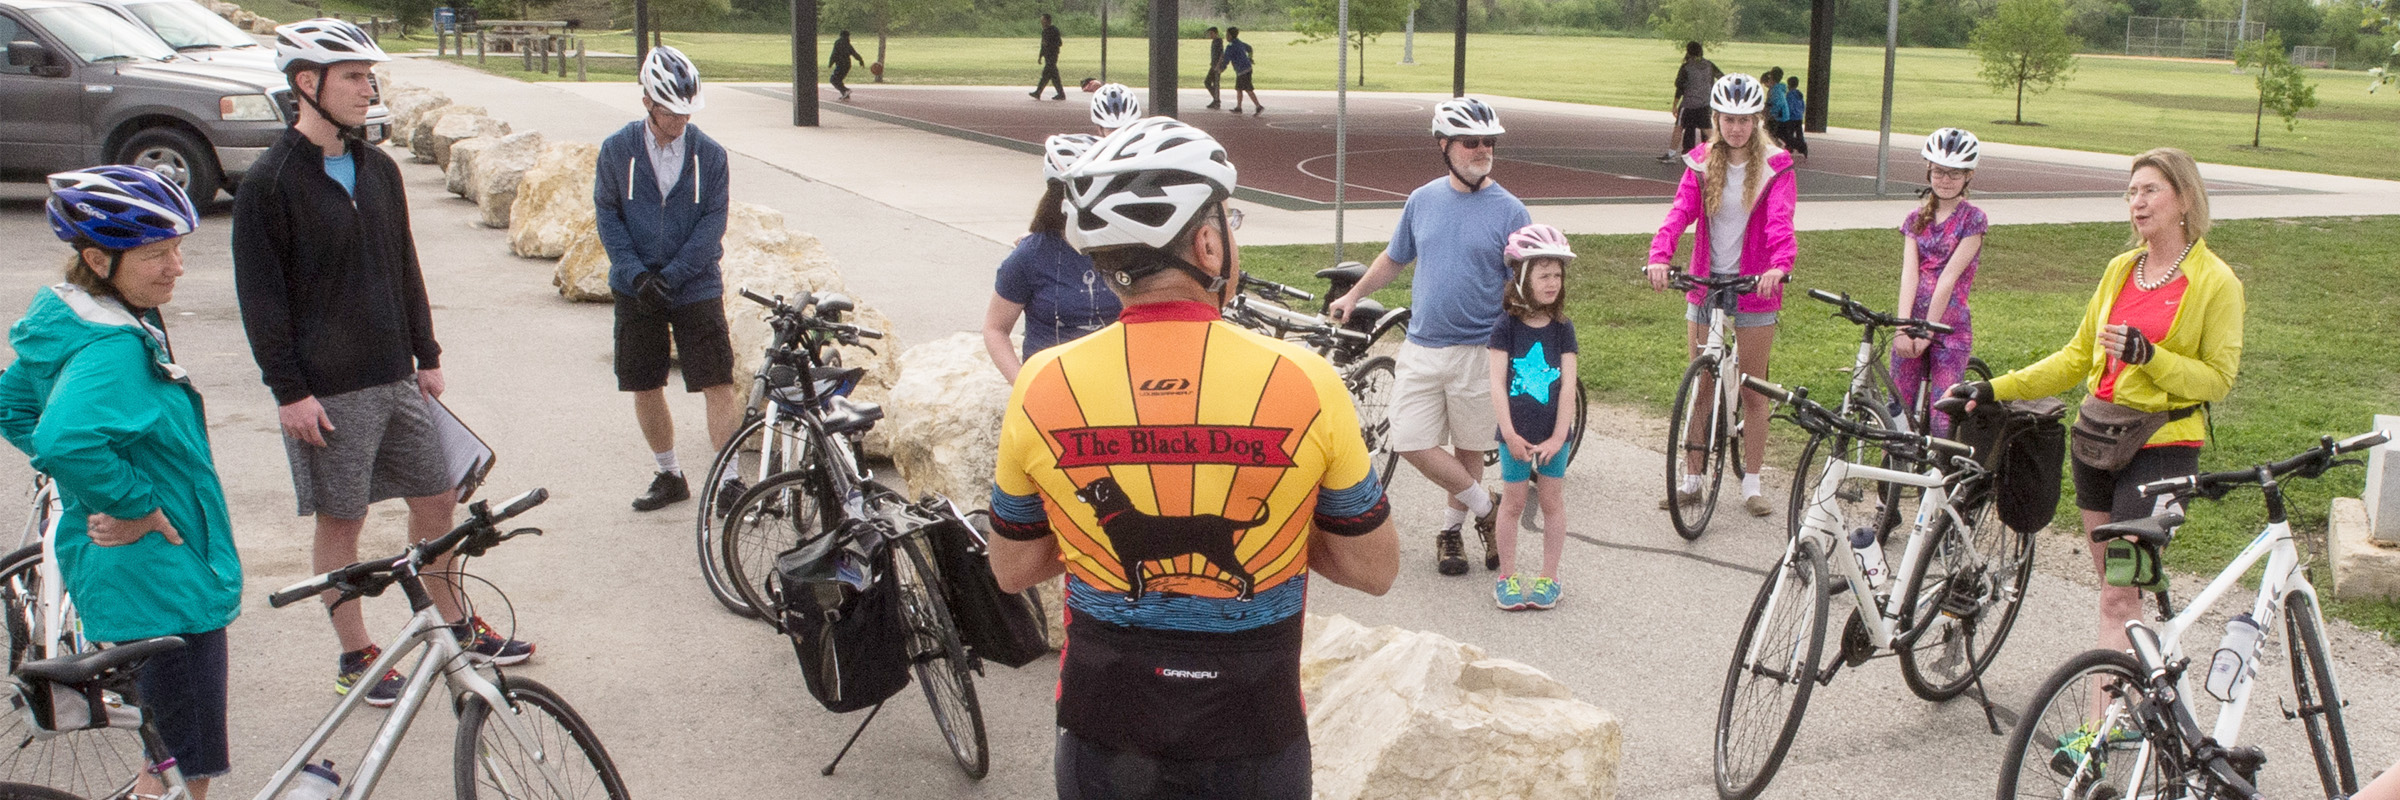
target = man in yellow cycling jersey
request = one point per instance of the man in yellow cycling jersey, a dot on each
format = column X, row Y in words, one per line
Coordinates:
column 1186, row 475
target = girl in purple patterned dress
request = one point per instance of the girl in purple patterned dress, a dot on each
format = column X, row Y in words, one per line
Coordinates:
column 1941, row 244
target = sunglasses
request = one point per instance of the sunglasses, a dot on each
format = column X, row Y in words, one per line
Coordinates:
column 1475, row 142
column 1233, row 219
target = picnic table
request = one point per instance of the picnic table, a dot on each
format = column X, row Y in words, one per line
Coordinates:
column 518, row 35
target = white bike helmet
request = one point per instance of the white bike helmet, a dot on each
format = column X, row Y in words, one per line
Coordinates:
column 322, row 43
column 1537, row 241
column 1061, row 151
column 1737, row 95
column 1115, row 106
column 1953, row 148
column 1144, row 184
column 670, row 80
column 1466, row 116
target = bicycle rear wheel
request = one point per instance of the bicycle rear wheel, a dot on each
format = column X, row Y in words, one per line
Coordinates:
column 2319, row 699
column 1859, row 501
column 1773, row 671
column 564, row 759
column 92, row 763
column 2080, row 737
column 773, row 517
column 759, row 450
column 1698, row 425
column 1370, row 386
column 1970, row 584
column 28, row 791
column 941, row 662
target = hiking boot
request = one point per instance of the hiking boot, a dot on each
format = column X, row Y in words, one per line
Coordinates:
column 1450, row 552
column 479, row 639
column 665, row 490
column 1484, row 526
column 728, row 494
column 352, row 668
column 1544, row 594
column 1508, row 594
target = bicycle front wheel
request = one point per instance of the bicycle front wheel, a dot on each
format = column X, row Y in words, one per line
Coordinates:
column 762, row 448
column 2081, row 737
column 559, row 756
column 91, row 763
column 1698, row 427
column 941, row 662
column 28, row 791
column 1371, row 388
column 1774, row 669
column 1970, row 584
column 2320, row 702
column 773, row 517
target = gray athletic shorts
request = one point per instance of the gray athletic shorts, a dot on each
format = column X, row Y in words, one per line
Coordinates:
column 383, row 445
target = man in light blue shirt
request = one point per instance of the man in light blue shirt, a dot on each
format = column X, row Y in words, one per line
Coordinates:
column 1454, row 230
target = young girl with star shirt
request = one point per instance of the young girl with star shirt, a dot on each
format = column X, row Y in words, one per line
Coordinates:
column 1533, row 392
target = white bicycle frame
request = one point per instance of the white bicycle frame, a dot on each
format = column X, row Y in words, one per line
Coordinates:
column 54, row 633
column 1824, row 526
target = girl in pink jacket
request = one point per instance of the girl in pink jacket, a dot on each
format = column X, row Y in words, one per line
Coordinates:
column 1745, row 231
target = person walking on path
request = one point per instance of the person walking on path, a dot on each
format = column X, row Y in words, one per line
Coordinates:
column 1795, row 118
column 1532, row 355
column 96, row 398
column 1693, row 79
column 1051, row 41
column 662, row 220
column 1216, row 68
column 1741, row 190
column 843, row 56
column 1044, row 281
column 1239, row 56
column 1454, row 229
column 2160, row 339
column 334, row 304
column 1941, row 244
column 1182, row 680
column 1773, row 78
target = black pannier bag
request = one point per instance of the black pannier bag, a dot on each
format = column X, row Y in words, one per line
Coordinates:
column 2024, row 444
column 997, row 626
column 852, row 642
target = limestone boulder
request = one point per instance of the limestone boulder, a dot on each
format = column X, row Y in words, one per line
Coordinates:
column 409, row 104
column 944, row 418
column 554, row 200
column 1398, row 713
column 582, row 274
column 459, row 175
column 420, row 136
column 242, row 17
column 498, row 173
column 456, row 127
column 263, row 26
column 223, row 9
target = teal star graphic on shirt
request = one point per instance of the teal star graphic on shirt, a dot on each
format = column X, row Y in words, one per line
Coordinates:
column 1534, row 375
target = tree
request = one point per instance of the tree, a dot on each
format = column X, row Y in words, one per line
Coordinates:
column 886, row 16
column 1315, row 21
column 1709, row 22
column 2025, row 45
column 2282, row 85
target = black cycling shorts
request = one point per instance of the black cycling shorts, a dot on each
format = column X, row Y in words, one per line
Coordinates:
column 701, row 342
column 1087, row 771
column 2119, row 492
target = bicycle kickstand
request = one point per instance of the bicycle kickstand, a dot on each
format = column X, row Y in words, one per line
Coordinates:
column 1991, row 716
column 862, row 728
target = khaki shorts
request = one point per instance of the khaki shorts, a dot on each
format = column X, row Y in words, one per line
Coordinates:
column 1442, row 396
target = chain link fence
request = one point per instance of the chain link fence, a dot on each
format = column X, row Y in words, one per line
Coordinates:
column 2175, row 37
column 2312, row 56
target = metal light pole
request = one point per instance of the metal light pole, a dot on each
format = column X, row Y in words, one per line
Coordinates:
column 1341, row 121
column 1408, row 41
column 1883, row 143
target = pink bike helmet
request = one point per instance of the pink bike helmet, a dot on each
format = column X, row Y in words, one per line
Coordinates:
column 1538, row 241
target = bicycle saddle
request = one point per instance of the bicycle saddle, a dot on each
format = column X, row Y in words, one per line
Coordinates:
column 844, row 416
column 2154, row 531
column 82, row 668
column 1347, row 271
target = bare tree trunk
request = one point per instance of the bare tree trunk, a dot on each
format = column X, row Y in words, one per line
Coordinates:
column 1362, row 61
column 2259, row 124
column 883, row 34
column 2021, row 88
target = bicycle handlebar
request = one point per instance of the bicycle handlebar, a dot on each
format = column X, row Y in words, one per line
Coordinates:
column 472, row 537
column 1812, row 415
column 1271, row 289
column 2308, row 464
column 1739, row 284
column 794, row 310
column 1859, row 313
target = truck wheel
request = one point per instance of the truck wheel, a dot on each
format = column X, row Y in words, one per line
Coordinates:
column 178, row 156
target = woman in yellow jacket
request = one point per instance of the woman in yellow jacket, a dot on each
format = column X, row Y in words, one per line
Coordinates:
column 2162, row 334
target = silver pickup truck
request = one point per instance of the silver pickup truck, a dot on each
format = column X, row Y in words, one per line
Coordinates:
column 82, row 85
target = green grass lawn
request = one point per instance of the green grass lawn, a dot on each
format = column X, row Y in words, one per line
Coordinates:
column 2112, row 105
column 2316, row 361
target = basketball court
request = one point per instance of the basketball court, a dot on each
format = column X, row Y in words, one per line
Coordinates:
column 1555, row 153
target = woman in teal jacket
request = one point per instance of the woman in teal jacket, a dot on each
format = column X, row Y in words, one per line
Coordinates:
column 97, row 400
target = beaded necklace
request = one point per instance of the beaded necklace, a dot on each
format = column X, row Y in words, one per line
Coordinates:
column 2141, row 267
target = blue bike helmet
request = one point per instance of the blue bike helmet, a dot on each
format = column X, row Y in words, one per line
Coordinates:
column 118, row 207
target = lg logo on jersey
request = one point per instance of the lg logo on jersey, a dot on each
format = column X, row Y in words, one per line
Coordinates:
column 1165, row 385
column 1187, row 674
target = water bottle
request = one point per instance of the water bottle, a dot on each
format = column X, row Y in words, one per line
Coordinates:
column 1870, row 555
column 2232, row 666
column 315, row 782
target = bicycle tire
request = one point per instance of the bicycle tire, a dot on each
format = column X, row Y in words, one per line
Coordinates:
column 944, row 669
column 31, row 791
column 772, row 517
column 1862, row 498
column 753, row 462
column 482, row 766
column 2036, row 764
column 95, row 763
column 20, row 593
column 1742, row 774
column 1690, row 526
column 1987, row 570
column 2320, row 699
column 1373, row 396
column 1583, row 416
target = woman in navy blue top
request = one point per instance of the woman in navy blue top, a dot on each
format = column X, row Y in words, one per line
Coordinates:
column 1048, row 284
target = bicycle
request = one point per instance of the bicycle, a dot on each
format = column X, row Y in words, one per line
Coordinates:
column 1704, row 433
column 516, row 737
column 1346, row 345
column 1944, row 615
column 1871, row 400
column 2119, row 723
column 770, row 439
column 40, row 622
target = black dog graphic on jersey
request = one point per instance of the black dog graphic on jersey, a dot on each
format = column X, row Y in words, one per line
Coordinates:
column 1139, row 537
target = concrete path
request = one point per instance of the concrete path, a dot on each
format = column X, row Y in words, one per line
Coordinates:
column 696, row 703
